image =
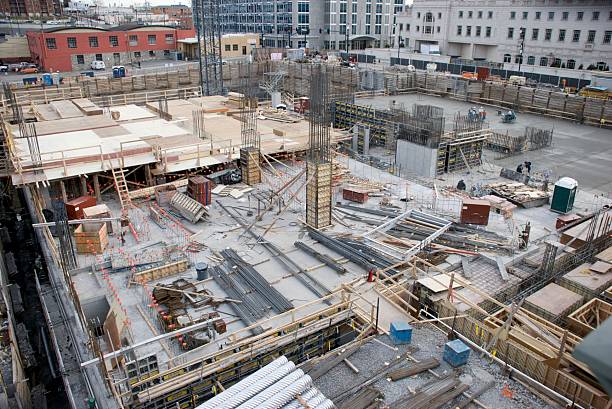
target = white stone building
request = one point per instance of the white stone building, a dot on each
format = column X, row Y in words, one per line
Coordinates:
column 328, row 23
column 558, row 33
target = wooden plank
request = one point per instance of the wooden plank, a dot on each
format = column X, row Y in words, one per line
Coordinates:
column 162, row 271
column 502, row 268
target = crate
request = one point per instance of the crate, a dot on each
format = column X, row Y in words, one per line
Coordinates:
column 91, row 238
column 74, row 207
column 400, row 332
column 456, row 353
column 355, row 195
column 99, row 212
column 199, row 188
column 474, row 211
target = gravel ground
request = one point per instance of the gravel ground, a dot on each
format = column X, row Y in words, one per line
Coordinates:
column 426, row 342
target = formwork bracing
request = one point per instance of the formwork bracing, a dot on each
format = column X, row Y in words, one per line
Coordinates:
column 319, row 167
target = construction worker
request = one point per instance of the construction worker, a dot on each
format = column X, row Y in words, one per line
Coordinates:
column 519, row 168
column 461, row 185
column 528, row 167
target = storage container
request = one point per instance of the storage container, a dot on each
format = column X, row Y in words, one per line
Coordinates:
column 475, row 211
column 74, row 207
column 400, row 332
column 456, row 353
column 564, row 195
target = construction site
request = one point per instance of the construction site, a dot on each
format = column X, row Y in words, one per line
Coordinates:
column 284, row 234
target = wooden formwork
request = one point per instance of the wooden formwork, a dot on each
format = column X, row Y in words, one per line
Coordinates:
column 250, row 159
column 318, row 194
column 91, row 238
column 589, row 317
column 573, row 384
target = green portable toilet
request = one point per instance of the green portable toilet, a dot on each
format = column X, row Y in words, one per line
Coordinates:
column 564, row 195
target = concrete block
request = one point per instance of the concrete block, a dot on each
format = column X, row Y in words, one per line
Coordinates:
column 400, row 332
column 456, row 353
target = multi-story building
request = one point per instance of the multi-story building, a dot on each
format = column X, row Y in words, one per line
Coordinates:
column 318, row 24
column 558, row 33
column 74, row 48
column 30, row 8
column 175, row 12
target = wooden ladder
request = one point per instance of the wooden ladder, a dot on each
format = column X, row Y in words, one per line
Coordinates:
column 122, row 188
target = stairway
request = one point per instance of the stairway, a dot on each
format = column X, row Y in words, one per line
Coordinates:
column 122, row 188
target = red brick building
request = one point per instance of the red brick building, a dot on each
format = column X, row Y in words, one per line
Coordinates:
column 176, row 12
column 74, row 48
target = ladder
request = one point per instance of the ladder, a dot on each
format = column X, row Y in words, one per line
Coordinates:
column 122, row 188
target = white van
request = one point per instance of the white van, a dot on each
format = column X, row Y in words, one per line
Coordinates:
column 98, row 65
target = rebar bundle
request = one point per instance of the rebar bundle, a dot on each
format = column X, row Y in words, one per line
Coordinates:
column 208, row 27
column 67, row 255
column 248, row 114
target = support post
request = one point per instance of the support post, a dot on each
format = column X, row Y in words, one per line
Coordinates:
column 83, row 186
column 96, row 186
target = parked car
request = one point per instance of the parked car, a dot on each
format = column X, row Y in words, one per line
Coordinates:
column 98, row 65
column 4, row 68
column 29, row 70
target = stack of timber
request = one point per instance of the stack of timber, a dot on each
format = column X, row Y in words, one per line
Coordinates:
column 364, row 399
column 519, row 193
column 433, row 395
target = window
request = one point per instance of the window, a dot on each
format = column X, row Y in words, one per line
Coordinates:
column 591, row 37
column 460, row 13
column 228, row 47
column 565, row 15
column 551, row 15
column 507, row 58
column 437, row 29
column 439, row 16
column 114, row 41
column 522, row 31
column 80, row 59
column 610, row 16
column 535, row 33
column 459, row 30
column 561, row 35
column 579, row 15
column 576, row 36
column 379, row 9
column 531, row 60
column 470, row 14
column 418, row 28
column 136, row 54
column 343, row 7
column 525, row 15
column 488, row 32
column 151, row 53
column 468, row 31
column 93, row 42
column 98, row 57
column 595, row 15
column 305, row 7
column 133, row 39
column 169, row 38
column 152, row 39
column 490, row 15
column 548, row 34
column 478, row 31
column 571, row 64
column 368, row 9
column 538, row 14
column 72, row 42
column 51, row 44
column 518, row 59
column 418, row 15
column 543, row 62
column 479, row 13
column 401, row 26
column 607, row 37
column 510, row 32
column 235, row 47
column 167, row 52
column 512, row 15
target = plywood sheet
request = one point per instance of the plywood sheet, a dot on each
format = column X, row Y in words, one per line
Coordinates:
column 438, row 283
column 554, row 299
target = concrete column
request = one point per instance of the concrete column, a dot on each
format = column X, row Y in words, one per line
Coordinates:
column 355, row 138
column 63, row 189
column 96, row 186
column 83, row 186
column 366, row 140
column 44, row 192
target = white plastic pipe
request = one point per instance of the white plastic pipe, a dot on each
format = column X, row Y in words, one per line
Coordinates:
column 252, row 379
column 280, row 393
column 326, row 404
column 261, row 385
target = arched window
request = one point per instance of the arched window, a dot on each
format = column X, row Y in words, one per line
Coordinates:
column 429, row 18
column 544, row 61
column 518, row 59
column 571, row 64
column 531, row 60
column 507, row 58
column 556, row 63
